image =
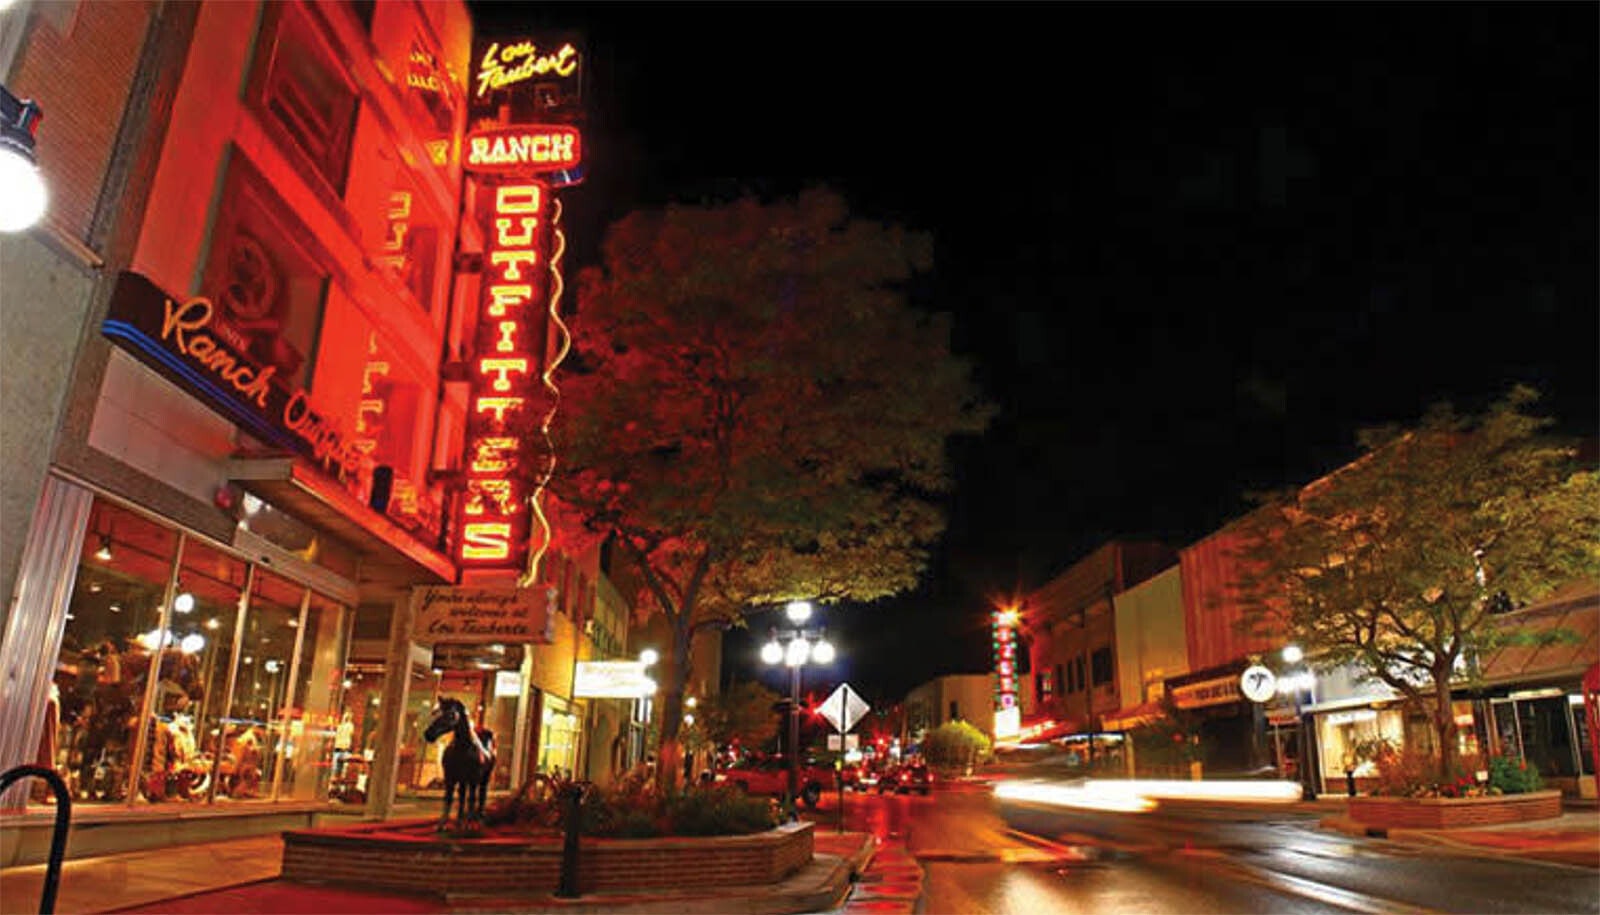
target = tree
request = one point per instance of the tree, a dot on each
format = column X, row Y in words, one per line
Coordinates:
column 743, row 713
column 756, row 414
column 956, row 745
column 1392, row 562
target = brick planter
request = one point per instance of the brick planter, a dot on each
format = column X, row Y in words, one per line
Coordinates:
column 1453, row 812
column 406, row 857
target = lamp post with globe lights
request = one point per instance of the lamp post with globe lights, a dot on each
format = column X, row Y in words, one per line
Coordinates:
column 1296, row 682
column 794, row 648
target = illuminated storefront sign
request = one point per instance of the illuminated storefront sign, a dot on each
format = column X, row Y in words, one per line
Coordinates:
column 504, row 65
column 188, row 342
column 523, row 150
column 1005, row 661
column 510, row 341
column 611, row 680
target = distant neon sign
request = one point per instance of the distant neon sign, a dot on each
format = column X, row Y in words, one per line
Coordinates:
column 1005, row 661
column 524, row 150
column 495, row 509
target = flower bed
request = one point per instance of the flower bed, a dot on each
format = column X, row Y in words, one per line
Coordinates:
column 1454, row 812
column 410, row 857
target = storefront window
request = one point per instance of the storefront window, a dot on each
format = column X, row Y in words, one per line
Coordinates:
column 191, row 696
column 316, row 724
column 1347, row 733
column 558, row 736
column 101, row 674
column 255, row 723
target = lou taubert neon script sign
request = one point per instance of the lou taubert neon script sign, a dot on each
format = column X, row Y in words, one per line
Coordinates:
column 494, row 514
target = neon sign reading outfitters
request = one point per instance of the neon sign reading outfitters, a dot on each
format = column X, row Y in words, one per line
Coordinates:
column 495, row 512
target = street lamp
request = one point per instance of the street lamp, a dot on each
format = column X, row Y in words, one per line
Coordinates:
column 22, row 190
column 1294, row 683
column 794, row 648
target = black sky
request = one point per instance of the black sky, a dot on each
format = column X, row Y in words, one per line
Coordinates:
column 1191, row 248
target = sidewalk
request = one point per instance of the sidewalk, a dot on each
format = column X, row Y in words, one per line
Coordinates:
column 240, row 877
column 1572, row 838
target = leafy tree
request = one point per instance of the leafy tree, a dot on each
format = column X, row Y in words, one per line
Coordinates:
column 955, row 744
column 744, row 713
column 1392, row 562
column 755, row 413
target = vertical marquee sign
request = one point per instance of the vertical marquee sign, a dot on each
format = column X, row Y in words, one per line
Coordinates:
column 522, row 144
column 1007, row 714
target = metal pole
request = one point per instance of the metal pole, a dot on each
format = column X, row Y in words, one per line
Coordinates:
column 838, row 769
column 794, row 739
column 1308, row 788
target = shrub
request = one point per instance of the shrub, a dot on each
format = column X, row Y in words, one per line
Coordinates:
column 1513, row 775
column 955, row 744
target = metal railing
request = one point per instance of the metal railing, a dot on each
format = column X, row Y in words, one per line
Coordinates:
column 58, row 835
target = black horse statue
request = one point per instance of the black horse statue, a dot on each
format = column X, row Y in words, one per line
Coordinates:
column 468, row 761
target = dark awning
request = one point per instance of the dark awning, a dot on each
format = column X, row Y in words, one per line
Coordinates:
column 389, row 553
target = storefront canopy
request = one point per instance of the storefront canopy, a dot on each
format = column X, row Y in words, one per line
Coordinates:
column 389, row 553
column 1574, row 613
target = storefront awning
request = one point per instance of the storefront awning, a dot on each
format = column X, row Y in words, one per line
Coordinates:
column 389, row 553
column 1128, row 718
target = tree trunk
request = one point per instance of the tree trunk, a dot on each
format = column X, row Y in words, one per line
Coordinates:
column 1444, row 725
column 675, row 676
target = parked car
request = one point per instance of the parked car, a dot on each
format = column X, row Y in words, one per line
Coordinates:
column 770, row 775
column 861, row 776
column 907, row 777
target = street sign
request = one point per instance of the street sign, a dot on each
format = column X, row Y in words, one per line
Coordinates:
column 1258, row 683
column 844, row 708
column 847, row 742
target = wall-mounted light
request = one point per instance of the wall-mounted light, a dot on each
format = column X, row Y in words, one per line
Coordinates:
column 22, row 191
column 104, row 553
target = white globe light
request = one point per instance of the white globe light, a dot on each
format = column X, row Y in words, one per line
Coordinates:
column 771, row 653
column 192, row 643
column 1292, row 654
column 24, row 197
column 798, row 610
column 649, row 656
column 183, row 603
column 797, row 652
column 688, row 718
column 822, row 653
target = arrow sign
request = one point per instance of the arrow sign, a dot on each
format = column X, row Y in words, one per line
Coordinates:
column 844, row 708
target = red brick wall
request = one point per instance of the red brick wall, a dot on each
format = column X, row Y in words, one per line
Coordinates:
column 364, row 856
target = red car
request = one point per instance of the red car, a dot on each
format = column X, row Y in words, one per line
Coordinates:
column 771, row 776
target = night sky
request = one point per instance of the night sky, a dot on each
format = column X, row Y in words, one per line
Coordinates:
column 1191, row 248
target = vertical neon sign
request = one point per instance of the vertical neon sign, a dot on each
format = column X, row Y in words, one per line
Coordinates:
column 509, row 352
column 1005, row 660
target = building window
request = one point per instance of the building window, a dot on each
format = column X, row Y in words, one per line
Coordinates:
column 301, row 94
column 1082, row 682
column 1100, row 666
column 267, row 287
column 1065, row 686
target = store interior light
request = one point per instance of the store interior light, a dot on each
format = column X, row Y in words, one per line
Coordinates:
column 22, row 191
column 104, row 553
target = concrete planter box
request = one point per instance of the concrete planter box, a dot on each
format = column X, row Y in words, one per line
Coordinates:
column 405, row 857
column 1453, row 812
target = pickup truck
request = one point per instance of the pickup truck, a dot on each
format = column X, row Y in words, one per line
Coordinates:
column 771, row 776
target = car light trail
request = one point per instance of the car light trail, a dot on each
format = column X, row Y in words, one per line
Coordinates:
column 1142, row 795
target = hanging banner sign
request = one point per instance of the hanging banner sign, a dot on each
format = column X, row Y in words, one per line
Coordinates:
column 1216, row 691
column 455, row 614
column 525, row 150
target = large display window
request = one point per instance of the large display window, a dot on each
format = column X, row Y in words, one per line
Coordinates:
column 186, row 674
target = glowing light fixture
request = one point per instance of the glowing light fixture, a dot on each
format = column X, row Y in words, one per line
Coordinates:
column 192, row 643
column 649, row 656
column 798, row 611
column 771, row 653
column 797, row 651
column 822, row 652
column 22, row 192
column 183, row 603
column 1292, row 654
column 104, row 553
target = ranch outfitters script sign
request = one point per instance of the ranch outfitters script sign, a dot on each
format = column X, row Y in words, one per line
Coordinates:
column 452, row 614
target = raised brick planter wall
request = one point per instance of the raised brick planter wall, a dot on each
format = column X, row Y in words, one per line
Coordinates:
column 401, row 857
column 1454, row 812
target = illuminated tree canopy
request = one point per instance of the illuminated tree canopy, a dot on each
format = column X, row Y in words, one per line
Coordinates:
column 1398, row 561
column 756, row 412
